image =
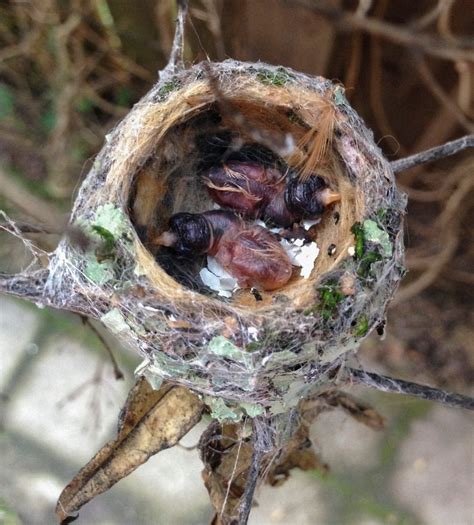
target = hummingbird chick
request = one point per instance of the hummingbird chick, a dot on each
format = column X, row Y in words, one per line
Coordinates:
column 261, row 192
column 249, row 253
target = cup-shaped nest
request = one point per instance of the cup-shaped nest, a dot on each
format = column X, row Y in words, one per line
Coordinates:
column 258, row 349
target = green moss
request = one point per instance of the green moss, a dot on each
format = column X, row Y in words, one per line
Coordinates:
column 107, row 249
column 362, row 326
column 366, row 262
column 359, row 237
column 167, row 88
column 278, row 77
column 330, row 297
column 109, row 225
column 370, row 232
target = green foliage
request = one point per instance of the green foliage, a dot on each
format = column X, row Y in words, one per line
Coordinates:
column 48, row 119
column 123, row 96
column 8, row 516
column 85, row 105
column 7, row 101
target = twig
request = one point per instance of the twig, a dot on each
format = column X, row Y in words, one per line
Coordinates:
column 428, row 44
column 39, row 209
column 29, row 286
column 117, row 372
column 432, row 154
column 26, row 227
column 399, row 386
column 175, row 62
column 252, row 478
column 438, row 92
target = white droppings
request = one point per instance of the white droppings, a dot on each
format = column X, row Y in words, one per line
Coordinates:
column 351, row 251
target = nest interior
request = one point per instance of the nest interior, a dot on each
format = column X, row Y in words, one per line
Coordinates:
column 199, row 128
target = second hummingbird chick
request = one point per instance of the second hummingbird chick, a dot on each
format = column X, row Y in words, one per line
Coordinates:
column 260, row 192
column 249, row 253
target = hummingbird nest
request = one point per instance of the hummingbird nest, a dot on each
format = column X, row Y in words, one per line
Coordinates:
column 257, row 352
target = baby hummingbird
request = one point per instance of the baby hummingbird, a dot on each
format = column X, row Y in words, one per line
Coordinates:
column 262, row 192
column 249, row 253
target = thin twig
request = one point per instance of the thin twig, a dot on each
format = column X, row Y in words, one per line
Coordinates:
column 252, row 478
column 428, row 44
column 432, row 154
column 438, row 92
column 39, row 209
column 175, row 62
column 399, row 386
column 117, row 372
column 26, row 227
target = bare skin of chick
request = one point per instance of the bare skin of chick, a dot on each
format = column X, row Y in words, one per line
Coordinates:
column 248, row 252
column 260, row 192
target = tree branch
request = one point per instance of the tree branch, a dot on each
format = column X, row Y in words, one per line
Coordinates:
column 432, row 154
column 252, row 478
column 399, row 386
column 428, row 44
column 24, row 286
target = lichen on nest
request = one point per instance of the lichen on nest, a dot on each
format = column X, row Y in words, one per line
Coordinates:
column 261, row 352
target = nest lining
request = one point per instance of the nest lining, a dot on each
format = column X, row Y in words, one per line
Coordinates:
column 170, row 183
column 269, row 352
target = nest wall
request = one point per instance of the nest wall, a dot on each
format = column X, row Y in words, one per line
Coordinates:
column 262, row 355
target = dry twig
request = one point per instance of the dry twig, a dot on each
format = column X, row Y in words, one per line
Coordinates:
column 432, row 154
column 427, row 44
column 399, row 386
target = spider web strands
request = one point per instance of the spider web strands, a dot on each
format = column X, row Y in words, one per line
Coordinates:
column 399, row 386
column 432, row 154
column 175, row 62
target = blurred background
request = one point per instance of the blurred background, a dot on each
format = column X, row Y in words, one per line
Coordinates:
column 69, row 71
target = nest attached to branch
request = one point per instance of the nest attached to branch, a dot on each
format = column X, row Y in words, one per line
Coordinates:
column 245, row 356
